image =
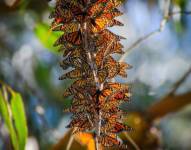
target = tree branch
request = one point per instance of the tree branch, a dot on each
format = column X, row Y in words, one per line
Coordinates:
column 69, row 144
column 180, row 82
column 168, row 105
column 167, row 15
column 138, row 42
column 170, row 102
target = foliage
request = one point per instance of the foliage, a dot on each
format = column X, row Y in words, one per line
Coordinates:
column 46, row 37
column 13, row 114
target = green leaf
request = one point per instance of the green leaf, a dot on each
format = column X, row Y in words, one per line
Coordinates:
column 5, row 112
column 18, row 114
column 13, row 114
column 47, row 38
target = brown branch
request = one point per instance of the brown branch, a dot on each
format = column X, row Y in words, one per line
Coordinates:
column 70, row 141
column 171, row 103
column 131, row 141
column 180, row 82
column 168, row 105
column 93, row 66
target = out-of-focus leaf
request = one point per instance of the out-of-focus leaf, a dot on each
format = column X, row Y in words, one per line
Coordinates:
column 5, row 112
column 181, row 3
column 42, row 75
column 46, row 36
column 86, row 139
column 13, row 115
column 18, row 114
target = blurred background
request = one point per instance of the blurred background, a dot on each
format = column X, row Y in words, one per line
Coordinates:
column 158, row 47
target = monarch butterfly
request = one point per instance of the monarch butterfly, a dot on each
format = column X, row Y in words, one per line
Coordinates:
column 96, row 8
column 110, row 106
column 83, row 82
column 102, row 75
column 111, row 4
column 68, row 47
column 109, row 140
column 119, row 127
column 67, row 28
column 112, row 117
column 121, row 95
column 76, row 53
column 76, row 73
column 81, row 108
column 59, row 12
column 79, row 96
column 105, row 20
column 111, row 14
column 73, row 51
column 78, row 101
column 111, row 66
column 106, row 40
column 109, row 35
column 105, row 51
column 102, row 95
column 115, row 47
column 78, row 122
column 76, row 62
column 74, row 38
column 72, row 5
column 115, row 23
column 115, row 86
column 123, row 67
column 71, row 91
column 79, row 2
column 57, row 21
column 75, row 108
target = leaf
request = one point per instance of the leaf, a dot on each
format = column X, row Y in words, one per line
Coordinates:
column 4, row 110
column 13, row 114
column 18, row 114
column 86, row 139
column 46, row 36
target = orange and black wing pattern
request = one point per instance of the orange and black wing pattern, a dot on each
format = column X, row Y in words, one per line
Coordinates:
column 88, row 47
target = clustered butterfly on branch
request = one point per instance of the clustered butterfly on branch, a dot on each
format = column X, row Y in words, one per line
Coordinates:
column 87, row 45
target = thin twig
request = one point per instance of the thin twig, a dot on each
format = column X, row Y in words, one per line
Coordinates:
column 71, row 139
column 132, row 142
column 96, row 143
column 98, row 85
column 89, row 56
column 167, row 16
column 180, row 82
column 136, row 43
column 147, row 36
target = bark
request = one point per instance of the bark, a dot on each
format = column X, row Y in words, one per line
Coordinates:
column 167, row 105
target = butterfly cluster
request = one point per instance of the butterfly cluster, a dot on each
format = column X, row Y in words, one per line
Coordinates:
column 87, row 47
